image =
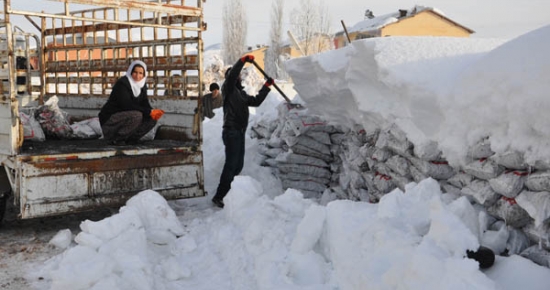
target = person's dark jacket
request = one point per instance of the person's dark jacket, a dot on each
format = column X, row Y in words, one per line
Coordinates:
column 207, row 110
column 236, row 101
column 209, row 103
column 122, row 99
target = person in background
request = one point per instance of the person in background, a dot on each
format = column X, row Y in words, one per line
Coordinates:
column 176, row 88
column 127, row 116
column 235, row 120
column 211, row 101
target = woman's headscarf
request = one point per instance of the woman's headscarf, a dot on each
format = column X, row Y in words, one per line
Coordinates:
column 136, row 86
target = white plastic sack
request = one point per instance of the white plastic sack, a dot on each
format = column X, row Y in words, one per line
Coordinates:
column 384, row 183
column 322, row 137
column 381, row 168
column 53, row 120
column 300, row 124
column 537, row 204
column 480, row 150
column 31, row 128
column 417, row 176
column 449, row 188
column 483, row 169
column 461, row 180
column 428, row 151
column 87, row 129
column 304, row 169
column 508, row 184
column 307, row 142
column 482, row 192
column 508, row 210
column 538, row 181
column 390, row 142
column 542, row 165
column 288, row 157
column 273, row 152
column 381, row 155
column 337, row 138
column 517, row 242
column 300, row 176
column 399, row 165
column 537, row 255
column 400, row 181
column 261, row 132
column 300, row 149
column 270, row 162
column 538, row 235
column 511, row 160
column 433, row 169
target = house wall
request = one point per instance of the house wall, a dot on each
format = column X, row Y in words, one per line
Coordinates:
column 425, row 23
column 291, row 51
column 259, row 55
column 342, row 40
column 86, row 54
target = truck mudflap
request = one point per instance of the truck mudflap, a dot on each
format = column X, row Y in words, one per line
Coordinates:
column 61, row 184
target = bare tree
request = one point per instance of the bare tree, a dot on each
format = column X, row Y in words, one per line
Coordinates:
column 234, row 30
column 312, row 26
column 272, row 65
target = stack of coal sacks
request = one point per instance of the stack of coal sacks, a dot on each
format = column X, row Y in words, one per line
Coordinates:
column 357, row 163
column 297, row 146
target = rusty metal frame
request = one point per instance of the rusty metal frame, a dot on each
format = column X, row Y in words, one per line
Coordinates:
column 160, row 33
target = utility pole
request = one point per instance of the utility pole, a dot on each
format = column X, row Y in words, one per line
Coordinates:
column 291, row 36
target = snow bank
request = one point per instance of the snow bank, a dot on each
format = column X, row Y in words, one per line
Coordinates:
column 451, row 90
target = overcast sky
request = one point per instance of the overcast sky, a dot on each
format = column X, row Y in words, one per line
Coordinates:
column 489, row 18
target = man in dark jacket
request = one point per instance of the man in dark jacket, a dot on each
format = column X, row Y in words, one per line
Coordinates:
column 211, row 101
column 235, row 120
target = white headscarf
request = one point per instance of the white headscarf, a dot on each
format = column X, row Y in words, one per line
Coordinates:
column 136, row 86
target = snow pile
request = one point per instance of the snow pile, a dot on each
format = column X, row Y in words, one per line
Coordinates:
column 118, row 251
column 287, row 242
column 456, row 92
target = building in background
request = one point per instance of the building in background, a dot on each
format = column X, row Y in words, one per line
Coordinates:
column 418, row 21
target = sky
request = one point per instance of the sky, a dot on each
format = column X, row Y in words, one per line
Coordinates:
column 489, row 18
column 270, row 238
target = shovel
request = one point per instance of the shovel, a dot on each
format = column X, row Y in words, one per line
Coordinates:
column 292, row 105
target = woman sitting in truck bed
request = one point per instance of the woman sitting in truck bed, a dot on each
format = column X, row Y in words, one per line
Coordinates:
column 127, row 116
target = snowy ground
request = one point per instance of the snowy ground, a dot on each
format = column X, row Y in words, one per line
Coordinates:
column 269, row 239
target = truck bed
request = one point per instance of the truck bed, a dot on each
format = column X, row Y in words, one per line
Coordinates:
column 52, row 147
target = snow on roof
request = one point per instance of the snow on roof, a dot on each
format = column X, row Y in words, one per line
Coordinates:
column 381, row 21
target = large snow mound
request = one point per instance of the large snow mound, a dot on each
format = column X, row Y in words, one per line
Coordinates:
column 437, row 89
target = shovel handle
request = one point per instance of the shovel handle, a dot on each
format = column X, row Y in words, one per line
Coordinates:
column 274, row 84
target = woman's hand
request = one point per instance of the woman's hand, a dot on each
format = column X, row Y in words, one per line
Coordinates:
column 156, row 114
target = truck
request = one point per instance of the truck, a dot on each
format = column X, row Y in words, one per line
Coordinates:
column 75, row 55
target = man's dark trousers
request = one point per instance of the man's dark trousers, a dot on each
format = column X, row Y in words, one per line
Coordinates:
column 234, row 160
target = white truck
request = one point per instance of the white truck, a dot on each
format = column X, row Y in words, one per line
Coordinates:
column 77, row 55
